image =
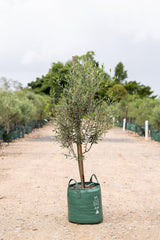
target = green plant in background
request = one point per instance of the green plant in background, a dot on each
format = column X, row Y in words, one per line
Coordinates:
column 144, row 111
column 81, row 119
column 117, row 92
column 155, row 116
column 39, row 102
column 120, row 74
column 9, row 109
column 27, row 107
column 21, row 107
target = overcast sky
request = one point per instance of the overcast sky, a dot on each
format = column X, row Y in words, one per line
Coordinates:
column 36, row 33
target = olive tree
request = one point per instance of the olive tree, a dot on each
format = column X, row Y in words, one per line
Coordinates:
column 81, row 119
column 155, row 116
column 145, row 110
column 9, row 109
column 39, row 103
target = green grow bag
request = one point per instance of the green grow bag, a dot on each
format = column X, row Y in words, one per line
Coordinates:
column 153, row 134
column 28, row 129
column 14, row 134
column 133, row 127
column 21, row 134
column 37, row 125
column 157, row 137
column 7, row 137
column 84, row 204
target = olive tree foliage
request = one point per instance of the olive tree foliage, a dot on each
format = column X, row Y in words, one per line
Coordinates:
column 155, row 116
column 145, row 110
column 27, row 107
column 137, row 109
column 21, row 107
column 121, row 109
column 39, row 102
column 9, row 109
column 81, row 119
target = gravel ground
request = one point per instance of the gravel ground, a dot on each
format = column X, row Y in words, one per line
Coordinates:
column 34, row 175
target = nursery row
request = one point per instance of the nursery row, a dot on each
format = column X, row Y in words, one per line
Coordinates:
column 18, row 131
column 20, row 112
column 138, row 110
column 140, row 130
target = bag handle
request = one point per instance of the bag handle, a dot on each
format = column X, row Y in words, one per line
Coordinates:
column 94, row 175
column 72, row 179
column 77, row 187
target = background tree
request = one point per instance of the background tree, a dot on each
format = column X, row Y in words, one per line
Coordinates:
column 39, row 102
column 136, row 88
column 120, row 74
column 9, row 109
column 155, row 115
column 27, row 107
column 137, row 109
column 104, row 87
column 5, row 84
column 53, row 82
column 9, row 84
column 144, row 110
column 116, row 93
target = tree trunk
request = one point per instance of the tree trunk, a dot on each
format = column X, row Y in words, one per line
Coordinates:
column 80, row 165
column 79, row 145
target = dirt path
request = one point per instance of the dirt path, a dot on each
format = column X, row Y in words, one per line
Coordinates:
column 33, row 182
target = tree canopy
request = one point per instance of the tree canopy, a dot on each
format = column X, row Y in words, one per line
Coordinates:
column 114, row 88
column 21, row 107
column 134, row 87
column 81, row 118
column 120, row 74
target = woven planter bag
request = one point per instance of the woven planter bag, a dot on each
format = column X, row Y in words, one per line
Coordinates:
column 84, row 204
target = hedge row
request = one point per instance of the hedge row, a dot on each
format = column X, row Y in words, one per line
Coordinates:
column 140, row 130
column 18, row 131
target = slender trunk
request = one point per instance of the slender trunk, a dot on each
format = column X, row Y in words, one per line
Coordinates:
column 80, row 157
column 80, row 165
column 79, row 145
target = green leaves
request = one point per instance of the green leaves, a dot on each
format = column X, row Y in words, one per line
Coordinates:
column 21, row 107
column 155, row 116
column 9, row 108
column 80, row 117
column 138, row 109
column 120, row 73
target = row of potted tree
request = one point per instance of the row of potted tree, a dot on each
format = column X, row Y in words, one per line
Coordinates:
column 136, row 109
column 20, row 111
